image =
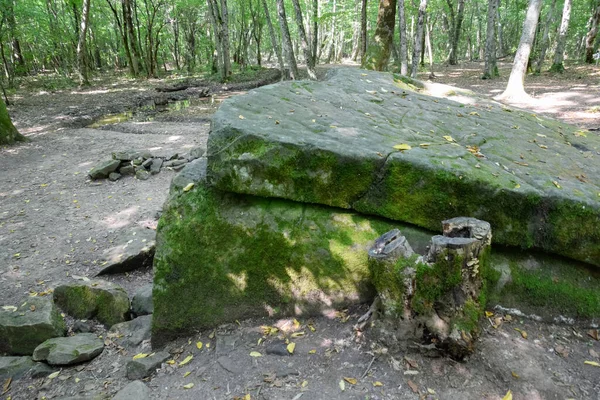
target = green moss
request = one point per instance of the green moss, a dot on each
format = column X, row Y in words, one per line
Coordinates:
column 468, row 319
column 109, row 306
column 388, row 280
column 234, row 256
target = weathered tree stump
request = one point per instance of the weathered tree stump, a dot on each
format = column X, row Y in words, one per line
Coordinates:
column 444, row 290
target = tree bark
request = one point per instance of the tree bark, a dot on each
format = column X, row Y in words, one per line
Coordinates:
column 363, row 32
column 561, row 40
column 8, row 132
column 225, row 42
column 590, row 38
column 491, row 69
column 81, row 45
column 274, row 41
column 417, row 47
column 460, row 13
column 545, row 39
column 403, row 41
column 515, row 89
column 288, row 49
column 315, row 31
column 379, row 51
column 135, row 53
column 310, row 63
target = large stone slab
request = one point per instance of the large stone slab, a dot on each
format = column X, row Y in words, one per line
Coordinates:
column 332, row 142
column 15, row 367
column 222, row 257
column 103, row 300
column 69, row 350
column 23, row 328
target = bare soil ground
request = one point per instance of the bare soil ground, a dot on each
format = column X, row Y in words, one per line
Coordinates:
column 55, row 223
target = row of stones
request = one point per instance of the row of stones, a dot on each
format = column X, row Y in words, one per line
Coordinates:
column 142, row 164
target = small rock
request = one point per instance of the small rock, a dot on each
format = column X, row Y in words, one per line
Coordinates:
column 178, row 167
column 138, row 161
column 228, row 365
column 83, row 327
column 225, row 344
column 35, row 321
column 135, row 331
column 128, row 155
column 147, row 163
column 142, row 174
column 284, row 372
column 277, row 348
column 105, row 301
column 114, row 176
column 41, row 370
column 141, row 304
column 174, row 163
column 146, row 155
column 144, row 367
column 173, row 157
column 193, row 172
column 15, row 367
column 136, row 390
column 69, row 350
column 103, row 169
column 196, row 152
column 127, row 170
column 156, row 165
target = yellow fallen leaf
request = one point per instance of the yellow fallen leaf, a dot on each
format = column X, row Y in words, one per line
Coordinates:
column 313, row 351
column 171, row 362
column 489, row 314
column 247, row 396
column 449, row 138
column 312, row 327
column 522, row 332
column 186, row 374
column 425, row 144
column 140, row 355
column 298, row 334
column 199, row 345
column 212, row 335
column 255, row 354
column 186, row 360
column 377, row 383
column 188, row 386
column 77, row 380
column 304, row 384
column 242, row 117
column 342, row 385
column 53, row 375
column 507, row 396
column 207, row 345
column 291, row 347
column 351, row 381
column 188, row 187
column 556, row 184
column 474, row 113
column 592, row 363
column 515, row 375
column 402, row 147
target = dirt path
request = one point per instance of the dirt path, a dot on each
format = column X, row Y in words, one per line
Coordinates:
column 56, row 224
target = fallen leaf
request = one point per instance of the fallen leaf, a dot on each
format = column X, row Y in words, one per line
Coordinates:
column 413, row 386
column 188, row 386
column 377, row 383
column 313, row 351
column 140, row 355
column 171, row 362
column 351, row 381
column 186, row 360
column 556, row 184
column 269, row 330
column 522, row 332
column 593, row 353
column 199, row 345
column 430, row 391
column 562, row 351
column 311, row 327
column 298, row 334
column 304, row 384
column 594, row 334
column 342, row 385
column 247, row 396
column 187, row 374
column 402, row 147
column 188, row 187
column 514, row 375
column 449, row 138
column 489, row 314
column 291, row 347
column 255, row 354
column 9, row 308
column 507, row 396
column 6, row 386
column 54, row 375
column 241, row 117
column 212, row 335
column 592, row 363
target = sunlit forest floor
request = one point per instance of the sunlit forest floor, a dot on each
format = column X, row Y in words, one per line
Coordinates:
column 55, row 224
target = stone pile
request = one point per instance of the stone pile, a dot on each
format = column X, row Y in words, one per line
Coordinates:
column 141, row 164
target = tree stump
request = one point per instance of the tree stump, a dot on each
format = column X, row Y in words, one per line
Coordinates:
column 443, row 290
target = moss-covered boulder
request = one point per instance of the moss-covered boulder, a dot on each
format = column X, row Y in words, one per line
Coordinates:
column 24, row 327
column 103, row 300
column 332, row 142
column 69, row 350
column 223, row 256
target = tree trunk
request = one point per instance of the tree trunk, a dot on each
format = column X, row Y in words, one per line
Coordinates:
column 8, row 132
column 557, row 65
column 331, row 41
column 453, row 59
column 16, row 55
column 590, row 38
column 417, row 47
column 135, row 53
column 379, row 51
column 225, row 42
column 288, row 49
column 491, row 69
column 310, row 63
column 545, row 39
column 363, row 32
column 515, row 89
column 429, row 49
column 315, row 31
column 500, row 48
column 274, row 41
column 81, row 45
column 403, row 41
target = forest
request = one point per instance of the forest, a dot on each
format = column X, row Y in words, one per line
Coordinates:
column 74, row 40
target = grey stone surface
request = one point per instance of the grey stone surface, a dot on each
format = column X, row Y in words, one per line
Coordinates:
column 144, row 367
column 135, row 251
column 142, row 174
column 174, row 163
column 69, row 350
column 193, row 172
column 114, row 176
column 103, row 169
column 127, row 170
column 141, row 304
column 196, row 152
column 533, row 178
column 127, row 155
column 103, row 300
column 229, row 365
column 136, row 390
column 34, row 321
column 133, row 332
column 15, row 367
column 147, row 163
column 41, row 370
column 156, row 165
column 277, row 348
